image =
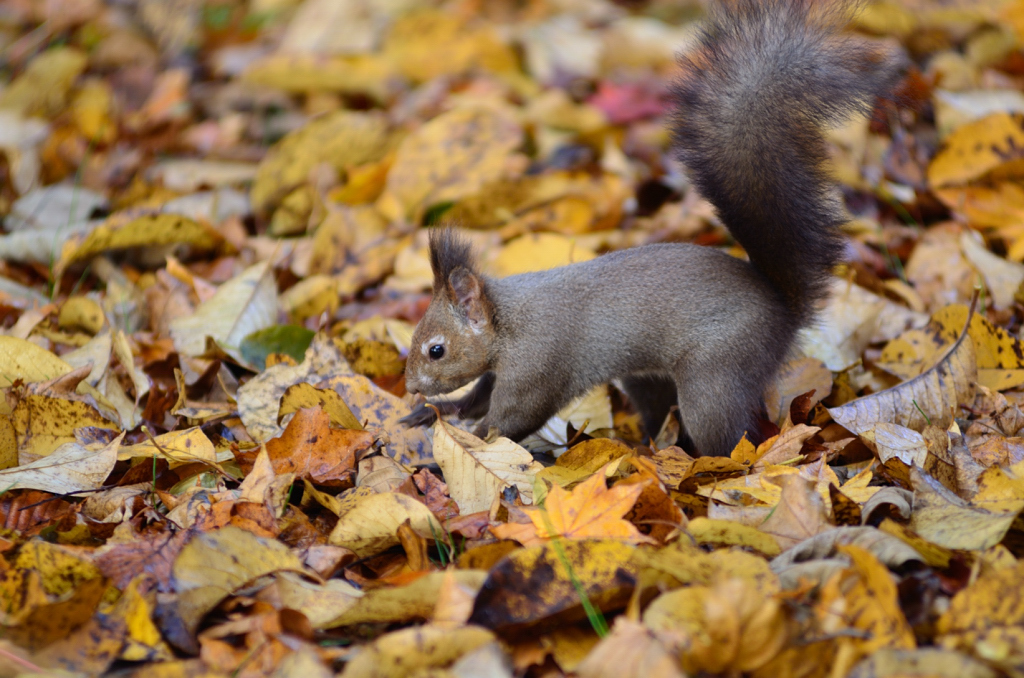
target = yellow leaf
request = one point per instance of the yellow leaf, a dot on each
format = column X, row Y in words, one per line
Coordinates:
column 999, row 355
column 321, row 603
column 179, row 447
column 400, row 604
column 143, row 642
column 91, row 111
column 731, row 626
column 412, row 46
column 476, row 472
column 371, row 526
column 584, row 459
column 944, row 519
column 61, row 570
column 863, row 598
column 364, row 183
column 978, row 148
column 374, row 358
column 43, row 86
column 301, row 73
column 214, row 564
column 42, row 424
column 344, row 139
column 413, row 651
column 986, row 619
column 538, row 252
column 136, row 228
column 81, row 313
column 710, row 531
column 302, row 396
column 452, row 156
column 1001, row 490
column 21, row 359
column 310, row 297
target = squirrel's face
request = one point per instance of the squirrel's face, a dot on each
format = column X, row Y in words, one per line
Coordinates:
column 451, row 344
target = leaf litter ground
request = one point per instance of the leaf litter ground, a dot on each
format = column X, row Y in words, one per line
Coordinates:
column 213, row 255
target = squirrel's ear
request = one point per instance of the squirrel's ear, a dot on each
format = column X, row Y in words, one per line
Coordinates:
column 467, row 291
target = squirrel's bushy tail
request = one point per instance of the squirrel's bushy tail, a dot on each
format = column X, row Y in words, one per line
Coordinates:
column 756, row 90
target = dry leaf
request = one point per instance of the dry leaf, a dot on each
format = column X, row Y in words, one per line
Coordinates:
column 477, row 472
column 930, row 398
column 241, row 306
column 372, row 524
column 72, row 467
column 215, row 564
column 591, row 511
column 630, row 651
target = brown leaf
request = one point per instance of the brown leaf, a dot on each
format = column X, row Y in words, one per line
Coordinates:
column 799, row 515
column 311, row 449
column 631, row 651
column 533, row 586
column 930, row 398
column 154, row 555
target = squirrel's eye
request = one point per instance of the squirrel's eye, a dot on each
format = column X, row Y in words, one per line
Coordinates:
column 436, row 352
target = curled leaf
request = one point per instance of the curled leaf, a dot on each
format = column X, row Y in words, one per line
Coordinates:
column 930, row 398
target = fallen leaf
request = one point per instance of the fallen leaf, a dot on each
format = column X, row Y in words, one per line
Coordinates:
column 135, row 228
column 975, row 149
column 729, row 626
column 941, row 517
column 21, row 359
column 591, row 511
column 312, row 450
column 799, row 515
column 72, row 467
column 343, row 138
column 534, row 585
column 476, row 471
column 930, row 398
column 372, row 524
column 864, row 598
column 241, row 306
column 403, row 652
column 452, row 156
column 43, row 423
column 986, row 619
column 401, row 604
column 215, row 564
column 320, row 603
column 180, row 447
column 727, row 532
column 630, row 651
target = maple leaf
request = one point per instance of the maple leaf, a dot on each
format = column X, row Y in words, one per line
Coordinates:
column 591, row 510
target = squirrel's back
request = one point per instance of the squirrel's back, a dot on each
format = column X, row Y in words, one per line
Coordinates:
column 753, row 96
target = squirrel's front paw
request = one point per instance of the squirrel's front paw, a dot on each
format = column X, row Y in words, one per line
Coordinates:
column 420, row 416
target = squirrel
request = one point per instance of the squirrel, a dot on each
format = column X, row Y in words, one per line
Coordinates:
column 677, row 324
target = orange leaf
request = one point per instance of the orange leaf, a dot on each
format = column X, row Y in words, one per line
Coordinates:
column 311, row 449
column 591, row 510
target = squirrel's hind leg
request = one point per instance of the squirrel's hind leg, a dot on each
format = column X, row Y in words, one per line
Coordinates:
column 718, row 408
column 653, row 397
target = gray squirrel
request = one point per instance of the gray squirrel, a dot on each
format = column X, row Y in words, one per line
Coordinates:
column 677, row 324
